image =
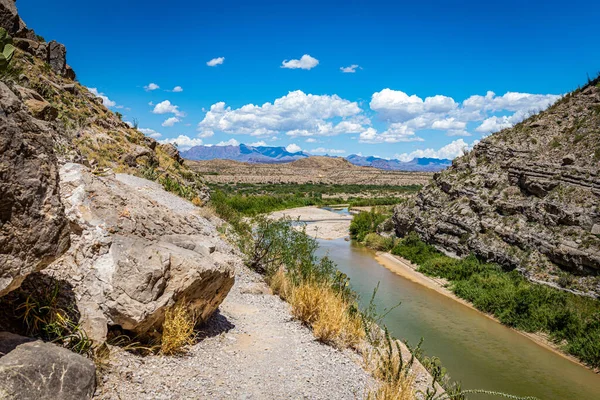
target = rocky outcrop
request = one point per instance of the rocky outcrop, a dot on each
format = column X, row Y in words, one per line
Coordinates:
column 62, row 374
column 522, row 199
column 33, row 227
column 54, row 53
column 137, row 250
column 171, row 151
column 10, row 20
column 57, row 57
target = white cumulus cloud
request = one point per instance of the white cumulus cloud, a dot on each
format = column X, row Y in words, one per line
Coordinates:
column 293, row 148
column 305, row 62
column 105, row 100
column 448, row 123
column 165, row 107
column 397, row 106
column 230, row 142
column 407, row 114
column 350, row 70
column 183, row 142
column 395, row 133
column 177, row 89
column 449, row 151
column 151, row 86
column 216, row 61
column 170, row 121
column 260, row 143
column 322, row 150
column 296, row 114
column 150, row 132
column 495, row 123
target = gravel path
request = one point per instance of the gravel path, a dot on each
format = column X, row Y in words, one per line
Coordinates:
column 252, row 349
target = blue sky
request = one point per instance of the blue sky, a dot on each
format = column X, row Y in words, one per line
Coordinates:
column 422, row 86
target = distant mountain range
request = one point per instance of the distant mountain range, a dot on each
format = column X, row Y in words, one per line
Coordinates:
column 277, row 155
column 416, row 164
column 244, row 153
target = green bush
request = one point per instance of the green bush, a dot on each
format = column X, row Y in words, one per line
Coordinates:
column 415, row 250
column 378, row 242
column 252, row 205
column 364, row 223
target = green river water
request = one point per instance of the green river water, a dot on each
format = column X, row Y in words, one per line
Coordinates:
column 477, row 351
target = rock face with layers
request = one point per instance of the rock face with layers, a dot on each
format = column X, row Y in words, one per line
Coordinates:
column 526, row 197
column 136, row 251
column 33, row 227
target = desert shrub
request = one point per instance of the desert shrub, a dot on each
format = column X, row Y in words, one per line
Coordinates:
column 258, row 204
column 379, row 201
column 413, row 249
column 389, row 367
column 280, row 284
column 177, row 329
column 378, row 242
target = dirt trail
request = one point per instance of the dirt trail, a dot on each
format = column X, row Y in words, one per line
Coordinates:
column 252, row 349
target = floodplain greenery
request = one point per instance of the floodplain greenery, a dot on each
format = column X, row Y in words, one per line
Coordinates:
column 254, row 199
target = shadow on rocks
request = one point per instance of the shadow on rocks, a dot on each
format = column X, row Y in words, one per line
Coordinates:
column 38, row 300
column 214, row 326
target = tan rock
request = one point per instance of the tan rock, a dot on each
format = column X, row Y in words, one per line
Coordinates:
column 42, row 109
column 137, row 250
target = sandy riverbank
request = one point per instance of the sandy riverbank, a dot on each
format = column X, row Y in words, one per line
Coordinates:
column 408, row 270
column 320, row 223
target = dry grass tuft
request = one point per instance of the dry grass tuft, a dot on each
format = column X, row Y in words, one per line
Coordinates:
column 280, row 284
column 178, row 329
column 387, row 366
column 398, row 390
column 327, row 312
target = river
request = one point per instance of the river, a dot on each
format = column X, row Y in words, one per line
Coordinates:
column 477, row 351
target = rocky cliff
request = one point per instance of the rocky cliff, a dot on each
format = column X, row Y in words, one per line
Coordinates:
column 76, row 213
column 48, row 119
column 527, row 197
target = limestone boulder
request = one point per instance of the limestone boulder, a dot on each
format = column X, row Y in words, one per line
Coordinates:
column 35, row 370
column 138, row 250
column 33, row 227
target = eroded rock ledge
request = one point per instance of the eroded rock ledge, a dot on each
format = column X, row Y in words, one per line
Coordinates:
column 527, row 198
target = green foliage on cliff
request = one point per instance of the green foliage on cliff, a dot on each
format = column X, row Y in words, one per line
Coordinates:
column 571, row 320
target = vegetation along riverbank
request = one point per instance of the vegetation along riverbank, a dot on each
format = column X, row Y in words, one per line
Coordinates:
column 571, row 322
